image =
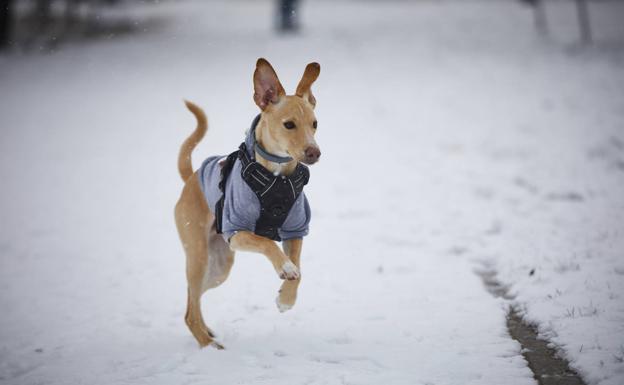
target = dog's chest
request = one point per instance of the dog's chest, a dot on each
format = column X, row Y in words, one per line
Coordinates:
column 271, row 206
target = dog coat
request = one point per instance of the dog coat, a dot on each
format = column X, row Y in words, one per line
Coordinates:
column 244, row 207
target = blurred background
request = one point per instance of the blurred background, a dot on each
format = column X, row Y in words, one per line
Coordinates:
column 457, row 136
column 45, row 24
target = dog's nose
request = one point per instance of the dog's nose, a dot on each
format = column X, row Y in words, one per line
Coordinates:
column 312, row 154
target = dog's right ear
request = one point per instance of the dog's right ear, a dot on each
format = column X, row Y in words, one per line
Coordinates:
column 267, row 87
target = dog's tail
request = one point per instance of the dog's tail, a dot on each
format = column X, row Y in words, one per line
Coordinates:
column 185, row 165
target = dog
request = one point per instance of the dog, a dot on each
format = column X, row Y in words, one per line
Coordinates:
column 225, row 207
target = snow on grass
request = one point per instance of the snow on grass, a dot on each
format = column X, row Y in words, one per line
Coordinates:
column 451, row 137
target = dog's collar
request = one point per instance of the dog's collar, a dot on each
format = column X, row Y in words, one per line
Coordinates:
column 260, row 150
column 270, row 157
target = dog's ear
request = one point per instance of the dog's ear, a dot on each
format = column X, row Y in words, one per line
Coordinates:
column 310, row 74
column 267, row 87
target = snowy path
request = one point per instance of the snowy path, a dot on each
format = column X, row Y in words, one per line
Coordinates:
column 429, row 124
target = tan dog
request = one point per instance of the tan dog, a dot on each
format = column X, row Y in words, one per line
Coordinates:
column 209, row 257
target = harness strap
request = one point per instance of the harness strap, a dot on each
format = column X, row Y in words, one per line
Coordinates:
column 277, row 194
column 226, row 170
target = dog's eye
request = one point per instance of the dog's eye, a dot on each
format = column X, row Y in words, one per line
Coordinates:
column 315, row 124
column 289, row 124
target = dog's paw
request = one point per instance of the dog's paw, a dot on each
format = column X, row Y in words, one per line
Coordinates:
column 289, row 271
column 282, row 307
column 217, row 345
column 205, row 342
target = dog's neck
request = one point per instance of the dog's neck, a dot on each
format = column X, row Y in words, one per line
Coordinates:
column 264, row 140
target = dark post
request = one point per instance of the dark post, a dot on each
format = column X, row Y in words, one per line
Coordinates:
column 5, row 24
column 541, row 23
column 582, row 12
column 288, row 15
column 539, row 16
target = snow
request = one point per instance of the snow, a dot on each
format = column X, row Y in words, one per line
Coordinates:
column 453, row 140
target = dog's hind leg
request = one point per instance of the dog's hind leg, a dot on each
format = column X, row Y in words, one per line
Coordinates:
column 196, row 271
column 192, row 220
column 220, row 260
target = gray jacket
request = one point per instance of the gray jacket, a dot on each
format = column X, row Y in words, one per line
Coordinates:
column 241, row 208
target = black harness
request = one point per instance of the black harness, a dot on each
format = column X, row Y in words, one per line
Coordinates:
column 277, row 193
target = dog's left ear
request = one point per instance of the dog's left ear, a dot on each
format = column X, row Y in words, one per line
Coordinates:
column 310, row 74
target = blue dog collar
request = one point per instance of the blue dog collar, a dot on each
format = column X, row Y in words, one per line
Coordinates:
column 260, row 150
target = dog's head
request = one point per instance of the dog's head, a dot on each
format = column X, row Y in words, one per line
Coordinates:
column 289, row 121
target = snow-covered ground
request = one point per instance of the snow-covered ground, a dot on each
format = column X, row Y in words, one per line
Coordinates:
column 453, row 141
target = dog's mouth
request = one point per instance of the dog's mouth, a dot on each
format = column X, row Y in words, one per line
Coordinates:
column 309, row 156
column 309, row 161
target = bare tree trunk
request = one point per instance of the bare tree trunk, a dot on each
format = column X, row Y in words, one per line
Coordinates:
column 582, row 13
column 5, row 24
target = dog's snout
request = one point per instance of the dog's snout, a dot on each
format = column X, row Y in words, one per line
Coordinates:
column 312, row 154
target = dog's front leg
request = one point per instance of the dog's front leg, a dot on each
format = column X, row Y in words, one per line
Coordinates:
column 247, row 241
column 288, row 292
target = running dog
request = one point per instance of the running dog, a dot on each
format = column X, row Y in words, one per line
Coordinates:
column 252, row 198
